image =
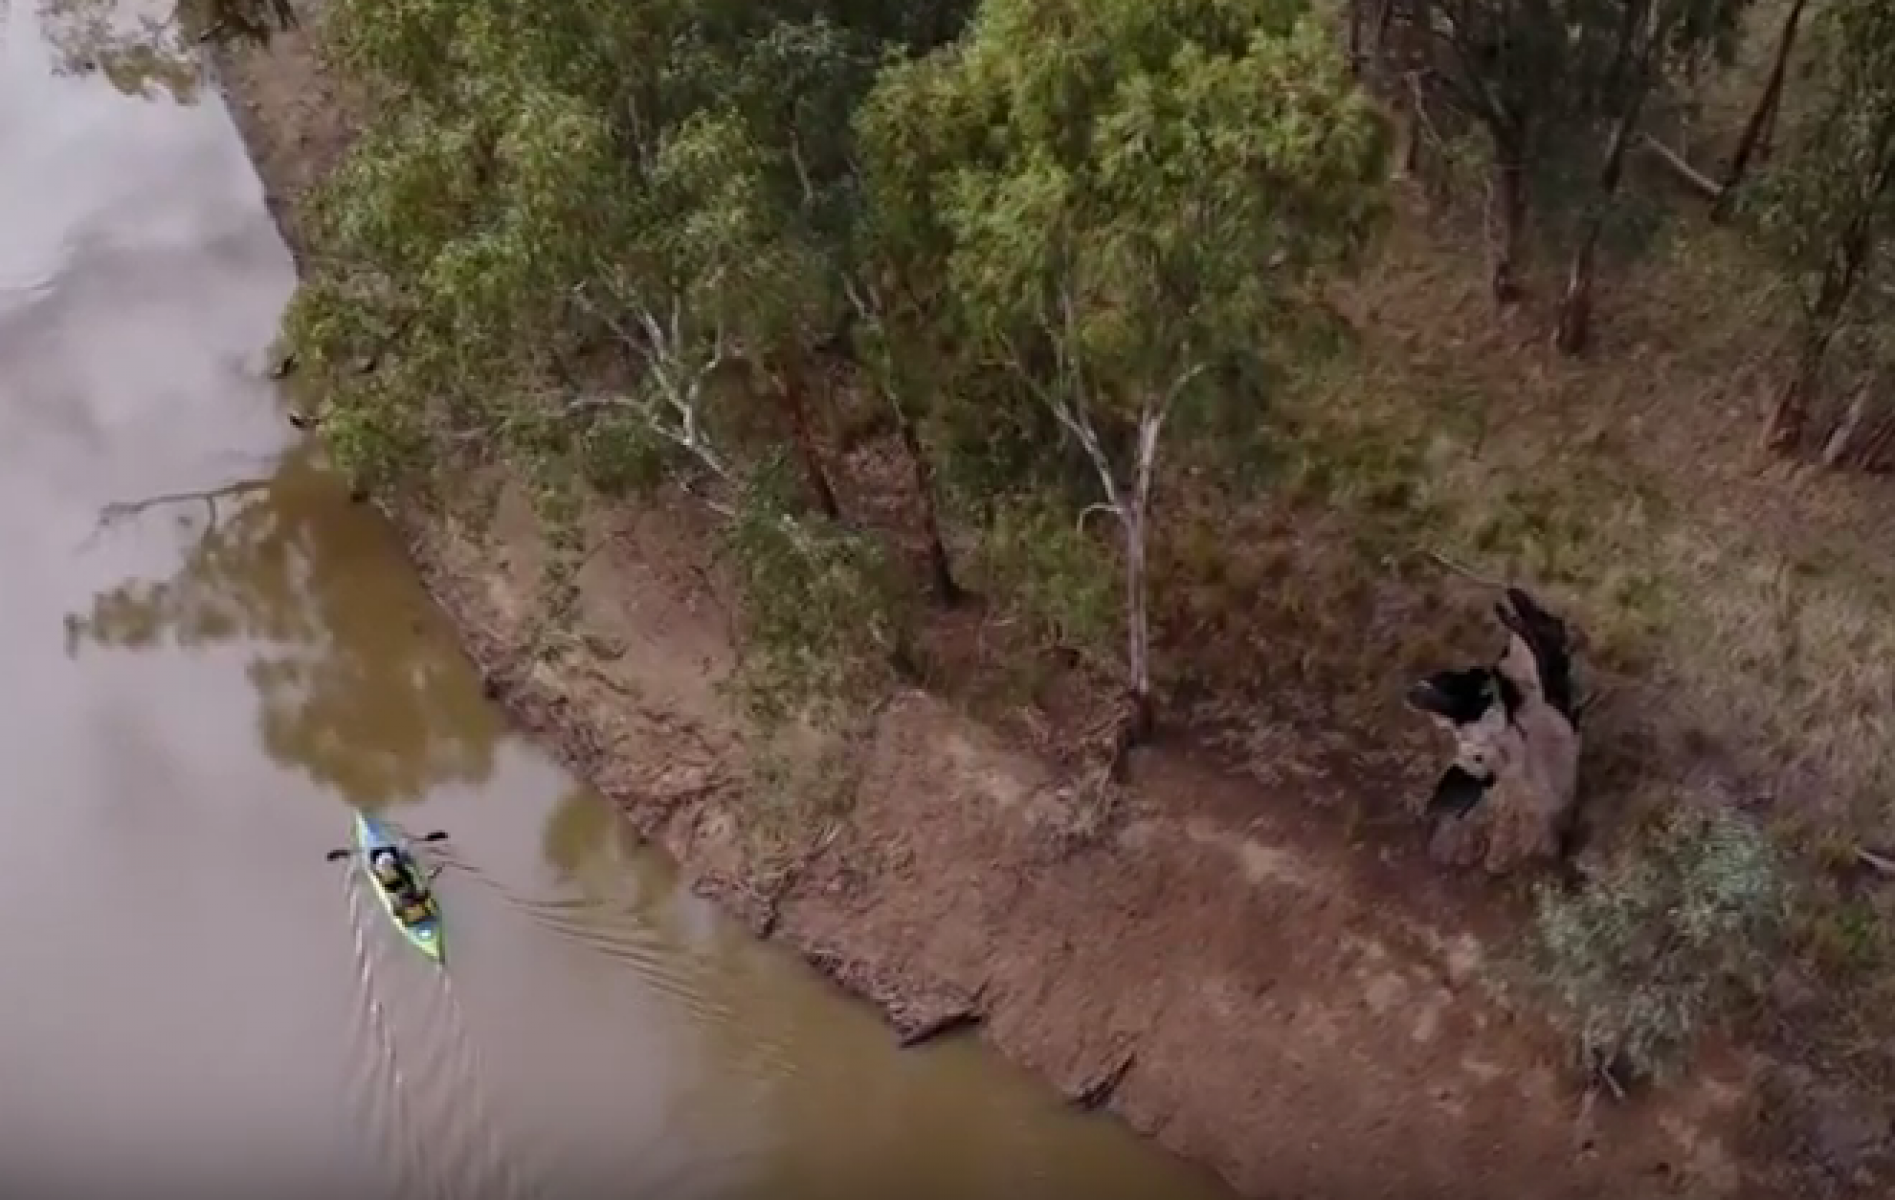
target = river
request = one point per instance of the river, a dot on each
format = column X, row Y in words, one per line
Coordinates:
column 210, row 655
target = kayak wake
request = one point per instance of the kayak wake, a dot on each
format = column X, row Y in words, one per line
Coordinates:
column 380, row 1090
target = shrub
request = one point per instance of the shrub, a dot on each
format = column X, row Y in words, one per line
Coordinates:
column 1644, row 955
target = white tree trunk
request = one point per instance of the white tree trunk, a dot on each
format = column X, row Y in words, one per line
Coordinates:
column 1136, row 518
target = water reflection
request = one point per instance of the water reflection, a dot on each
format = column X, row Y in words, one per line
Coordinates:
column 581, row 831
column 144, row 47
column 355, row 689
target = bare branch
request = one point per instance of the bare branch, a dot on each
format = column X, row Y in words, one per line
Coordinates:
column 1881, row 864
column 1442, row 560
column 1089, row 509
column 1693, row 179
column 1185, row 379
column 1072, row 419
column 681, row 387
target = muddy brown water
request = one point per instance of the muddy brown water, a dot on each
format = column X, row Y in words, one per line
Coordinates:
column 207, row 656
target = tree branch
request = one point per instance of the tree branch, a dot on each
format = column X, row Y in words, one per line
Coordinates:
column 1696, row 181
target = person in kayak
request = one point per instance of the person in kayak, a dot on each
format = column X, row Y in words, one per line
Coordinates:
column 410, row 903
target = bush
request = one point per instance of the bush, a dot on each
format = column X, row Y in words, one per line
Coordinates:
column 1057, row 575
column 824, row 617
column 1643, row 956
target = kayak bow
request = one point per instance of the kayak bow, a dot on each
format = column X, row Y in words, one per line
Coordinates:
column 423, row 934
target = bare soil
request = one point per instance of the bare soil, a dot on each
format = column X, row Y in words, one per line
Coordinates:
column 1301, row 1004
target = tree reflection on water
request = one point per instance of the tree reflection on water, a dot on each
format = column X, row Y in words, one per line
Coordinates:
column 584, row 833
column 354, row 690
column 146, row 46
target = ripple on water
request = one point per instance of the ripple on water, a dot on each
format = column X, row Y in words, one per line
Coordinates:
column 419, row 1082
column 377, row 1089
column 617, row 931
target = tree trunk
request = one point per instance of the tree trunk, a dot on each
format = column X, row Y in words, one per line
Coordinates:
column 1142, row 719
column 1873, row 454
column 1384, row 21
column 947, row 592
column 1763, row 116
column 1411, row 137
column 1356, row 20
column 1841, row 442
column 1575, row 308
column 1789, row 416
column 1508, row 222
column 796, row 407
column 1135, row 516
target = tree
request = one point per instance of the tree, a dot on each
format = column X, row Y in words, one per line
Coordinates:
column 1508, row 65
column 1656, row 40
column 1763, row 117
column 1828, row 210
column 1128, row 191
column 608, row 242
column 892, row 338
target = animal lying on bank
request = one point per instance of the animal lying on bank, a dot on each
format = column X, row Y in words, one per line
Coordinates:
column 1508, row 795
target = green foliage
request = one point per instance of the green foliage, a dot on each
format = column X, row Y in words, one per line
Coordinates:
column 823, row 616
column 1131, row 185
column 585, row 240
column 1642, row 957
column 1111, row 203
column 542, row 181
column 1058, row 576
column 1832, row 199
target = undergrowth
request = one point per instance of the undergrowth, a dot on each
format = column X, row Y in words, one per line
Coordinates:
column 1660, row 943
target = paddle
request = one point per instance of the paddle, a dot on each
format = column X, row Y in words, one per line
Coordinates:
column 342, row 852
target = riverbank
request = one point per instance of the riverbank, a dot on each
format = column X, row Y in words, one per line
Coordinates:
column 1218, row 965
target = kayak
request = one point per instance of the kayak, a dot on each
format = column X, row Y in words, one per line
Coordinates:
column 424, row 932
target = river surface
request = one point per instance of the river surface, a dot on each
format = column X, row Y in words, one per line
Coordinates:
column 207, row 656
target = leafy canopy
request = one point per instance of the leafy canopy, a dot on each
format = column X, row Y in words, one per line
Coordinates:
column 1118, row 193
column 539, row 180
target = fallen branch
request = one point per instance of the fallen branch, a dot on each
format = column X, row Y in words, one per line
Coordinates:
column 1694, row 180
column 1442, row 560
column 1602, row 1073
column 1881, row 864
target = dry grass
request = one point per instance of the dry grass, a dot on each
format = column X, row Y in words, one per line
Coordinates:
column 1738, row 617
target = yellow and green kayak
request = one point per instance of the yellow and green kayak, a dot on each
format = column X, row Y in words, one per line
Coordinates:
column 422, row 928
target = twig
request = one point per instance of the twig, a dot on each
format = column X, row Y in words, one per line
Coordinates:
column 1442, row 560
column 1603, row 1072
column 1088, row 510
column 1881, row 864
column 1693, row 179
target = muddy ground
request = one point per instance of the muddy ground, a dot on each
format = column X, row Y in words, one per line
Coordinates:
column 1217, row 965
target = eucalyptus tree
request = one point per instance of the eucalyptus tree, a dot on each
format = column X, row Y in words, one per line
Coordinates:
column 1121, row 197
column 1644, row 45
column 1827, row 209
column 1558, row 89
column 599, row 240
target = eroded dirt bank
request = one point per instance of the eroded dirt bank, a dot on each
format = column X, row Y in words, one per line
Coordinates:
column 1220, row 967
